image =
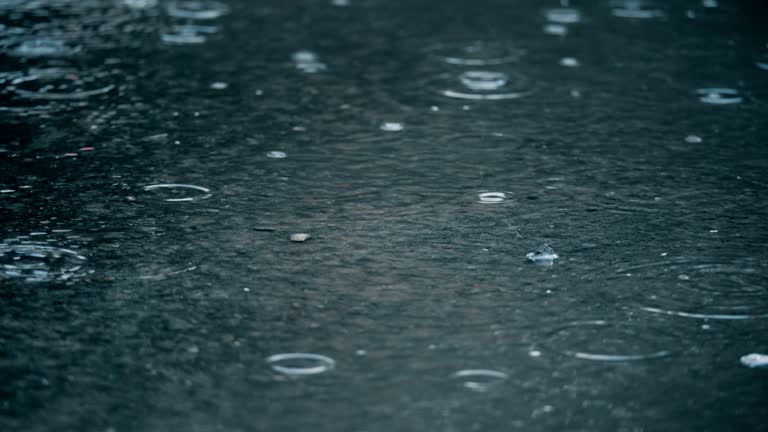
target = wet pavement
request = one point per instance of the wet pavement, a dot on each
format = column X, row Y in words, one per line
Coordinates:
column 316, row 215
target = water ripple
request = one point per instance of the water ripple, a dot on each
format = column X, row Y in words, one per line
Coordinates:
column 300, row 364
column 36, row 261
column 692, row 288
column 606, row 341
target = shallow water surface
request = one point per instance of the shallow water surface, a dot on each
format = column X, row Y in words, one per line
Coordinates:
column 158, row 158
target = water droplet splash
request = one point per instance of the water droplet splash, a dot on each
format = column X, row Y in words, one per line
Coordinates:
column 543, row 255
column 300, row 364
column 37, row 261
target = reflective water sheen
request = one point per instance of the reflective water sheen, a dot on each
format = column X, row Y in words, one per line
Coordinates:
column 369, row 215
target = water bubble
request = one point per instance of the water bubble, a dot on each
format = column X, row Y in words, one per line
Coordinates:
column 391, row 127
column 277, row 154
column 175, row 189
column 600, row 340
column 754, row 360
column 480, row 380
column 635, row 9
column 198, row 10
column 478, row 53
column 543, row 255
column 719, row 96
column 37, row 261
column 218, row 85
column 300, row 364
column 563, row 15
column 693, row 139
column 492, row 197
column 569, row 62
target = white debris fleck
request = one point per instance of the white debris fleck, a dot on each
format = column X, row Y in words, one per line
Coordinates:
column 569, row 62
column 219, row 85
column 693, row 139
column 277, row 154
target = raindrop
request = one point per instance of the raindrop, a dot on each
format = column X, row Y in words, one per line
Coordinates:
column 177, row 189
column 300, row 364
column 480, row 380
column 719, row 96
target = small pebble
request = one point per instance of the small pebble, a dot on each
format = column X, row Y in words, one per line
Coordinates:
column 300, row 237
